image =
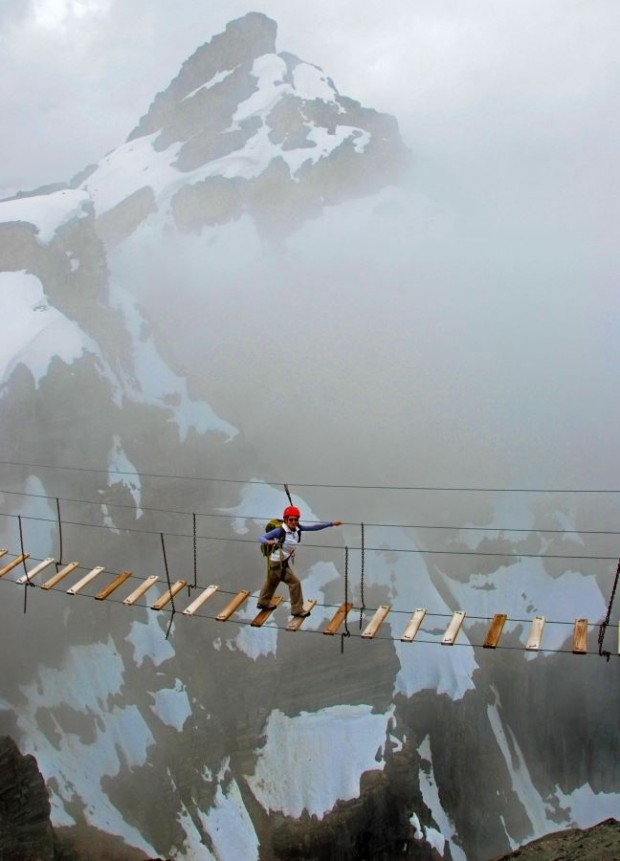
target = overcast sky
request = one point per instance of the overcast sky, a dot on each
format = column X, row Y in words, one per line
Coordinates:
column 473, row 83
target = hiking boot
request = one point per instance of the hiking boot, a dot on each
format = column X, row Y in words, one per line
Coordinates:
column 266, row 606
column 302, row 615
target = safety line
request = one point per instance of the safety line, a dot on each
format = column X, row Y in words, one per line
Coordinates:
column 429, row 488
column 381, row 549
column 261, row 517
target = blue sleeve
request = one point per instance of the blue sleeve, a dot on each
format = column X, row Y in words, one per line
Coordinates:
column 273, row 533
column 314, row 527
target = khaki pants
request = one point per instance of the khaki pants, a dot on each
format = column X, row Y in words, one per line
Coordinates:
column 276, row 573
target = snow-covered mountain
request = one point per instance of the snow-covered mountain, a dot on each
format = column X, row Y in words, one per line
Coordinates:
column 202, row 303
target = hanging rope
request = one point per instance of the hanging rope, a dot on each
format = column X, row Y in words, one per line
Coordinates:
column 194, row 535
column 21, row 542
column 346, row 633
column 286, row 490
column 603, row 627
column 59, row 563
column 363, row 605
column 163, row 549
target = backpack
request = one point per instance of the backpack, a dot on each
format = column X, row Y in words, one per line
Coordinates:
column 267, row 549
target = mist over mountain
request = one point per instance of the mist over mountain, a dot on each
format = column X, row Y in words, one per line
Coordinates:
column 264, row 285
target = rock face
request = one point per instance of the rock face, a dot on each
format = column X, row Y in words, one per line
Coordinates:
column 25, row 829
column 599, row 843
column 26, row 833
column 244, row 40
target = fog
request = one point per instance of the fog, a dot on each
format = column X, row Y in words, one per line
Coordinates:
column 460, row 331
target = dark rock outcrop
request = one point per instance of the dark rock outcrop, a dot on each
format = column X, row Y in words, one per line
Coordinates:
column 25, row 830
column 26, row 833
column 243, row 40
column 599, row 843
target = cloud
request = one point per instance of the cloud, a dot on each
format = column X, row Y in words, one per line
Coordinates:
column 60, row 14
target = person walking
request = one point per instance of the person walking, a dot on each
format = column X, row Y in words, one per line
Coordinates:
column 284, row 541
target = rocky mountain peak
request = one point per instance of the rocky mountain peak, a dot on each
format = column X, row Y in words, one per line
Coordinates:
column 240, row 44
column 245, row 130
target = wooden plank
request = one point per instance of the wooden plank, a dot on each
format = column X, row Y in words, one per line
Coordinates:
column 259, row 620
column 239, row 599
column 338, row 618
column 495, row 631
column 200, row 600
column 297, row 621
column 580, row 637
column 85, row 580
column 534, row 638
column 454, row 626
column 26, row 578
column 413, row 625
column 60, row 575
column 113, row 586
column 377, row 620
column 169, row 594
column 14, row 563
column 142, row 588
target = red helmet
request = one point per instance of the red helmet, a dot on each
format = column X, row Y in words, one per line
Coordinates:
column 291, row 511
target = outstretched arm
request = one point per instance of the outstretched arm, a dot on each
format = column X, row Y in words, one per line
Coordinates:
column 314, row 527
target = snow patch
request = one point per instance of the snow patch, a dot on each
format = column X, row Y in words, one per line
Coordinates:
column 587, row 807
column 325, row 142
column 37, row 332
column 269, row 71
column 172, row 705
column 214, row 79
column 520, row 779
column 294, row 770
column 47, row 212
column 122, row 471
column 85, row 682
column 148, row 641
column 131, row 167
column 257, row 642
column 310, row 82
column 230, row 827
column 42, row 541
column 193, row 847
column 430, row 795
